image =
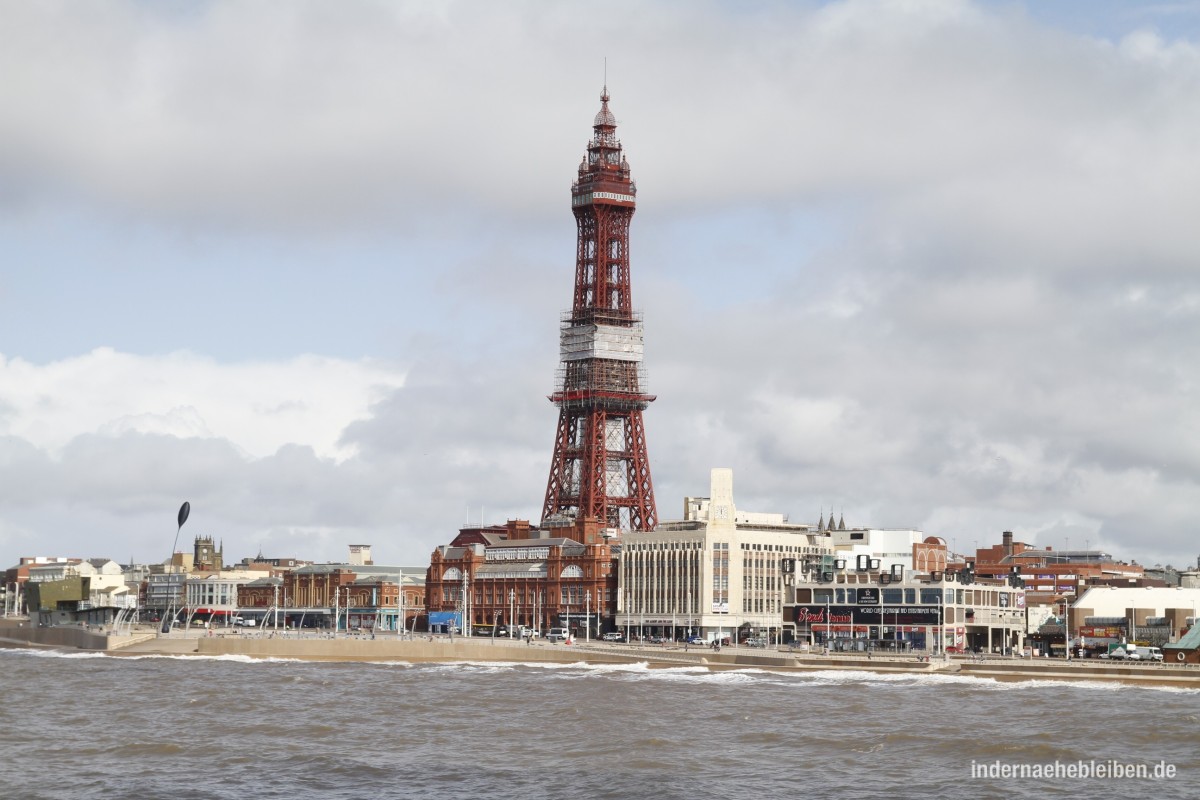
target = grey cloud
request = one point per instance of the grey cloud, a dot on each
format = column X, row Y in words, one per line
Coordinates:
column 932, row 264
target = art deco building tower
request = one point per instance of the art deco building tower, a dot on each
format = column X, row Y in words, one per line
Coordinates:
column 600, row 468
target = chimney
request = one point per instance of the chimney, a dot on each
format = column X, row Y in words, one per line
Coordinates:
column 1008, row 543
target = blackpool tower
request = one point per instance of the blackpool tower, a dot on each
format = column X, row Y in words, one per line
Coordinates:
column 600, row 468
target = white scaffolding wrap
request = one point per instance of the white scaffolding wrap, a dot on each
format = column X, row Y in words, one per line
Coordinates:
column 612, row 342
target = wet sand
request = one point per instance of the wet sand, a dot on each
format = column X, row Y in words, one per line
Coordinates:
column 386, row 647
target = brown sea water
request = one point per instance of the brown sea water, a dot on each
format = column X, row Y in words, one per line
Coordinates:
column 89, row 726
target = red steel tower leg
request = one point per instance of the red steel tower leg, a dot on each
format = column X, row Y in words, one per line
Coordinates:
column 600, row 468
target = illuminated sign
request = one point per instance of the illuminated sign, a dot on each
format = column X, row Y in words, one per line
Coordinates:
column 868, row 615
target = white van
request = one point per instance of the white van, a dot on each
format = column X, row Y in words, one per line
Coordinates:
column 1139, row 653
column 1135, row 652
column 558, row 635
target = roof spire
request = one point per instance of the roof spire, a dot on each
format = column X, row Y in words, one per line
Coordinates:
column 604, row 117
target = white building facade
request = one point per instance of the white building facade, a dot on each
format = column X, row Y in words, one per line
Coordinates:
column 716, row 573
column 888, row 548
column 106, row 581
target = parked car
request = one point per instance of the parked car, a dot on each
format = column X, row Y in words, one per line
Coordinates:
column 529, row 633
column 696, row 640
column 754, row 641
column 558, row 635
column 613, row 636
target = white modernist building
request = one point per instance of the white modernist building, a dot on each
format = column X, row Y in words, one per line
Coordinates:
column 1139, row 602
column 715, row 573
column 106, row 581
column 214, row 596
column 1111, row 614
column 887, row 548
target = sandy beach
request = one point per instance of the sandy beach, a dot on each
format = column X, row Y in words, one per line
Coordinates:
column 324, row 647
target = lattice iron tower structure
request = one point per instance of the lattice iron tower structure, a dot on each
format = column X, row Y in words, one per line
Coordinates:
column 600, row 468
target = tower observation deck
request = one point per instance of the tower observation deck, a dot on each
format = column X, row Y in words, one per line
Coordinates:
column 600, row 468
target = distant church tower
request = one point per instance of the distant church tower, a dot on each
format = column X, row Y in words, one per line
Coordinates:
column 206, row 557
column 600, row 468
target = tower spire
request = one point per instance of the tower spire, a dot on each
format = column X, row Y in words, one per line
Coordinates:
column 600, row 468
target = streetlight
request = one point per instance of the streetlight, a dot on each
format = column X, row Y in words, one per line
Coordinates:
column 402, row 616
column 168, row 619
column 588, row 594
column 1067, row 626
column 828, row 621
column 628, row 612
column 466, row 606
column 512, row 610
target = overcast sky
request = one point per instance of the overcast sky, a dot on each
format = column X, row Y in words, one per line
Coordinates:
column 928, row 264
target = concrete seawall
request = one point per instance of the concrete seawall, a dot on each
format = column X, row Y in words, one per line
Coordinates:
column 74, row 638
column 1186, row 677
column 442, row 650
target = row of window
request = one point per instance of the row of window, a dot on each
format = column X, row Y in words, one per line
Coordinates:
column 907, row 596
column 658, row 547
column 768, row 606
column 768, row 583
column 784, row 548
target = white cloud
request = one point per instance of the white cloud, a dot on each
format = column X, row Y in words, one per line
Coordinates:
column 259, row 406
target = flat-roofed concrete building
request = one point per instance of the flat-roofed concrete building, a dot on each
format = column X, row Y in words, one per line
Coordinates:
column 898, row 610
column 717, row 573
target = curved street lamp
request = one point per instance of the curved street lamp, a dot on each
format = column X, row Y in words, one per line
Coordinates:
column 184, row 511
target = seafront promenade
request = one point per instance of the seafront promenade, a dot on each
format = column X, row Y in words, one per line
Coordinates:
column 308, row 646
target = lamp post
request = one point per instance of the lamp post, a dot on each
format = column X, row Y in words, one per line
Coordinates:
column 588, row 594
column 942, row 621
column 1067, row 626
column 512, row 610
column 401, row 624
column 828, row 622
column 169, row 618
column 466, row 602
column 627, row 615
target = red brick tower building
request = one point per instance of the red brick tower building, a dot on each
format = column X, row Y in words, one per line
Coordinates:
column 600, row 469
